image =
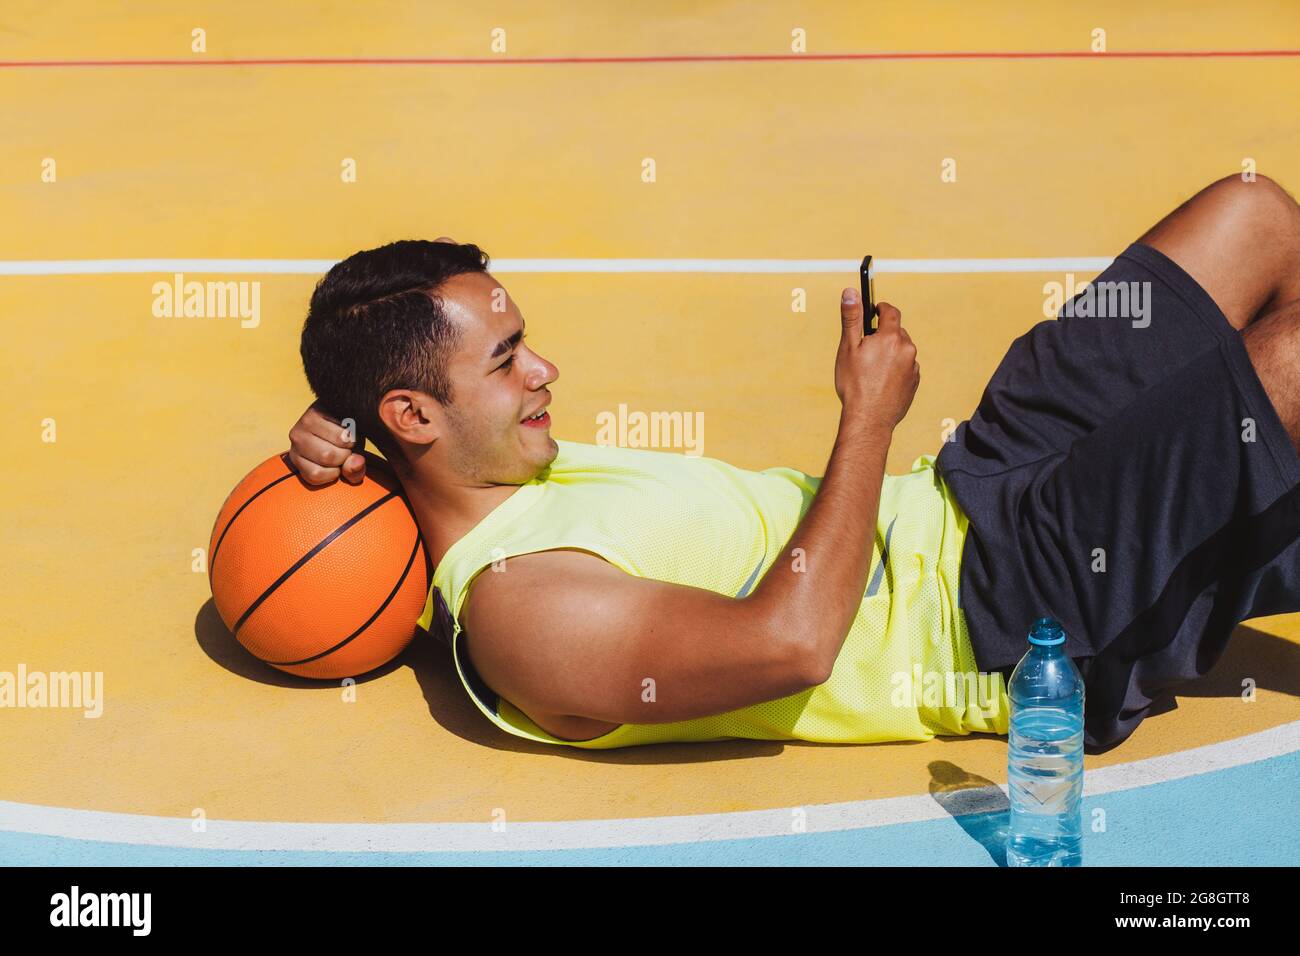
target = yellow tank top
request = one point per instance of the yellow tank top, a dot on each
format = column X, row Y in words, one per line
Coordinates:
column 906, row 670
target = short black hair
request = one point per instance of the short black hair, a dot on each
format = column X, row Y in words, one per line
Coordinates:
column 376, row 323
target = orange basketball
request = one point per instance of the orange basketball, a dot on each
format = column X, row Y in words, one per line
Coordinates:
column 323, row 582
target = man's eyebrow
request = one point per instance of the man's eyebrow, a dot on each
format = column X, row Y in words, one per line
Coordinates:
column 505, row 345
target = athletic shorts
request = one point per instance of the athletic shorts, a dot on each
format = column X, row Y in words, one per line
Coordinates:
column 1129, row 476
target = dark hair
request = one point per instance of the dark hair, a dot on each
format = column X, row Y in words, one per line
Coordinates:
column 376, row 323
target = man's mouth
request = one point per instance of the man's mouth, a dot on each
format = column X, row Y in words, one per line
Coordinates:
column 541, row 420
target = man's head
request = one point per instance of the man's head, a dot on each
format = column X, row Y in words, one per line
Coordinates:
column 423, row 348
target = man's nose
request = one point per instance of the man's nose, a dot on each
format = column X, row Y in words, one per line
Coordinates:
column 545, row 373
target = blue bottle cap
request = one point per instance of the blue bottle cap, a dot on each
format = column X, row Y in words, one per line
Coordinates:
column 1046, row 632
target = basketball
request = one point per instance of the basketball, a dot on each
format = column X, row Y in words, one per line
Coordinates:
column 324, row 582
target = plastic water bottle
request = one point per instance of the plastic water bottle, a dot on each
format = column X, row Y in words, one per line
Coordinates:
column 1045, row 757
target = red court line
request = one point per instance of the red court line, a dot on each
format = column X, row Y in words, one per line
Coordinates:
column 686, row 58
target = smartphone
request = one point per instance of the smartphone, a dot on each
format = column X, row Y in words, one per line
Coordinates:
column 868, row 296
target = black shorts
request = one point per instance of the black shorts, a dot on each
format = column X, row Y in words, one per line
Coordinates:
column 1131, row 478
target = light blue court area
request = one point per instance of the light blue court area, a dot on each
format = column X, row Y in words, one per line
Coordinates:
column 1191, row 821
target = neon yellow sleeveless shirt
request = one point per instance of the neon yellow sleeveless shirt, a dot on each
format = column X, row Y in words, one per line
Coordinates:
column 906, row 670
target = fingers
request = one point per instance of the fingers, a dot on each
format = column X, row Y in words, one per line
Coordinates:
column 851, row 314
column 354, row 469
column 320, row 423
column 888, row 314
column 316, row 459
column 320, row 449
column 315, row 416
column 311, row 472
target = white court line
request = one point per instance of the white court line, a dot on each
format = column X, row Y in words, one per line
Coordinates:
column 588, row 834
column 85, row 267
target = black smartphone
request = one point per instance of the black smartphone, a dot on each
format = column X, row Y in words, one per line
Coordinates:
column 868, row 297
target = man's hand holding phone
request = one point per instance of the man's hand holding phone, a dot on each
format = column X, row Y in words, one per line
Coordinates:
column 876, row 376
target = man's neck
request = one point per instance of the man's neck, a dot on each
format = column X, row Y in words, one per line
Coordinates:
column 446, row 513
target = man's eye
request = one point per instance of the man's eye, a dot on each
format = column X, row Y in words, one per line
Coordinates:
column 511, row 361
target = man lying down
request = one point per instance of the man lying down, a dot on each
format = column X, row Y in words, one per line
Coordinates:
column 1135, row 478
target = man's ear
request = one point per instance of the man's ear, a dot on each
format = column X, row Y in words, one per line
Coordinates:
column 408, row 415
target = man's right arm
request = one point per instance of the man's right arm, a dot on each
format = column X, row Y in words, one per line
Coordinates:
column 815, row 590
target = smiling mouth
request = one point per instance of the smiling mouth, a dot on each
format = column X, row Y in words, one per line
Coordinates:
column 542, row 419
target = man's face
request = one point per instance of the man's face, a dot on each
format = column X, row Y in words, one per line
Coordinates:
column 497, row 381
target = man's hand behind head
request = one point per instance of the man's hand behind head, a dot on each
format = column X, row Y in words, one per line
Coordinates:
column 321, row 450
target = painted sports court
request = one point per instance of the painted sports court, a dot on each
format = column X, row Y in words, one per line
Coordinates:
column 774, row 170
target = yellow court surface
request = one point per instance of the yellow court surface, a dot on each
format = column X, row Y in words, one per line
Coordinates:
column 303, row 133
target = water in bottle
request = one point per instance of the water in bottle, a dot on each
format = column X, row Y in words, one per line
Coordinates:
column 1045, row 758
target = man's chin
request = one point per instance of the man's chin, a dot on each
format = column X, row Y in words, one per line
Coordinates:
column 537, row 457
column 552, row 450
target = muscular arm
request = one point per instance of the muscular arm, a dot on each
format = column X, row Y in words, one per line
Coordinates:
column 818, row 597
column 564, row 632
